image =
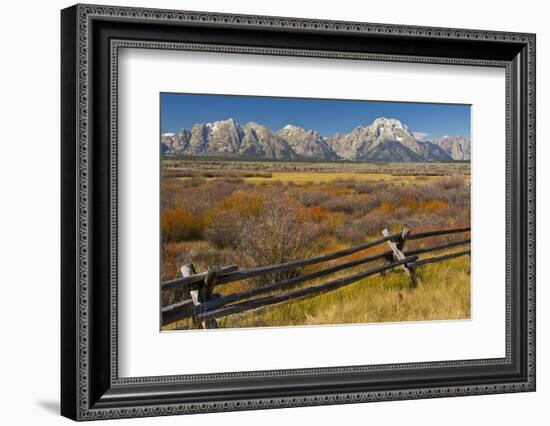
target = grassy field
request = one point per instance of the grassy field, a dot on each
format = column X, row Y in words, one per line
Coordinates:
column 263, row 213
column 234, row 167
column 443, row 295
column 304, row 178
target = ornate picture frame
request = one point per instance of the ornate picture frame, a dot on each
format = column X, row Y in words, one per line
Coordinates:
column 91, row 38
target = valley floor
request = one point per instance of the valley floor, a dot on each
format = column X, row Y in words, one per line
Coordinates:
column 251, row 214
column 443, row 295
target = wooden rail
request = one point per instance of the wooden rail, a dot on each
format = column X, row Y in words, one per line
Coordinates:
column 301, row 293
column 230, row 273
column 204, row 306
column 438, row 232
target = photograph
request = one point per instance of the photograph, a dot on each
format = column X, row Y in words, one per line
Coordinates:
column 272, row 208
column 280, row 211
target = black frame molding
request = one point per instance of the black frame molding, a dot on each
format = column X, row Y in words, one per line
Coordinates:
column 91, row 37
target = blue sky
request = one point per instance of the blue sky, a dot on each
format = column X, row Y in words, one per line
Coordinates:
column 328, row 116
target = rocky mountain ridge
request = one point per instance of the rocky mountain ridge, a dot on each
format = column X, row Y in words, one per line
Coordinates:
column 386, row 139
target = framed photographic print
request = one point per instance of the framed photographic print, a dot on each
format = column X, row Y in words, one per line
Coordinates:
column 263, row 212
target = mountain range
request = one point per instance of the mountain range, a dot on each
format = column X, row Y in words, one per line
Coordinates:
column 386, row 139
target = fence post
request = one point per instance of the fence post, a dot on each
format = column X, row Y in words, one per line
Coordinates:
column 188, row 270
column 207, row 290
column 397, row 248
column 403, row 238
column 202, row 294
column 389, row 258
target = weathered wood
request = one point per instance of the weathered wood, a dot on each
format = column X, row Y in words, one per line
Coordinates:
column 227, row 273
column 186, row 311
column 187, row 271
column 195, row 281
column 301, row 293
column 204, row 306
column 236, row 276
column 436, row 248
column 185, row 308
column 201, row 296
column 389, row 259
column 210, row 282
column 399, row 255
column 206, row 293
column 440, row 258
column 177, row 311
column 400, row 243
column 438, row 232
column 291, row 282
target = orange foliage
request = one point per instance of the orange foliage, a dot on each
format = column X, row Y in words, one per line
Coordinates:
column 179, row 225
column 434, row 205
column 386, row 207
column 428, row 206
column 245, row 205
column 338, row 191
column 316, row 214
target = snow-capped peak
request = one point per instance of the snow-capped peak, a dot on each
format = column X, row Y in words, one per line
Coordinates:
column 385, row 139
column 291, row 127
column 212, row 127
column 391, row 122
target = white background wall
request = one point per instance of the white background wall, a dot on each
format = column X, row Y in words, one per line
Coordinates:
column 29, row 211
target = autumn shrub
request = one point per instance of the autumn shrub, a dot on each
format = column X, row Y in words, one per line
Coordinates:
column 345, row 204
column 224, row 221
column 179, row 225
column 452, row 182
column 368, row 187
column 316, row 214
column 258, row 174
column 263, row 229
column 344, row 183
column 386, row 207
column 171, row 190
column 425, row 222
column 223, row 228
column 428, row 206
column 411, row 203
column 380, row 195
column 451, row 189
column 199, row 200
column 328, row 226
column 199, row 253
column 234, row 180
column 168, row 173
column 311, row 198
column 244, row 203
column 360, row 227
column 197, row 181
column 434, row 205
column 278, row 234
column 358, row 230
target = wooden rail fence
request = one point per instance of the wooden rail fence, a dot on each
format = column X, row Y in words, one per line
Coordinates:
column 203, row 306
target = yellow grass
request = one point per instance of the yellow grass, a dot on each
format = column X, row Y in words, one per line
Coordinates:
column 443, row 295
column 305, row 178
column 301, row 178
